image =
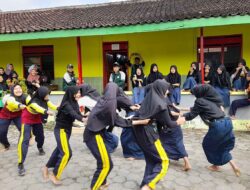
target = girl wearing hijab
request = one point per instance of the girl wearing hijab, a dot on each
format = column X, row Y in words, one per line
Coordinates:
column 239, row 76
column 208, row 74
column 138, row 83
column 103, row 115
column 219, row 140
column 32, row 81
column 154, row 107
column 154, row 74
column 130, row 148
column 193, row 77
column 67, row 113
column 174, row 78
column 36, row 106
column 11, row 112
column 88, row 99
column 172, row 138
column 222, row 84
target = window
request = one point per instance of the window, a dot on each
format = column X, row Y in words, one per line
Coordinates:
column 222, row 50
column 42, row 56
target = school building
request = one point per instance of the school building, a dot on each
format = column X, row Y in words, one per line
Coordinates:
column 165, row 32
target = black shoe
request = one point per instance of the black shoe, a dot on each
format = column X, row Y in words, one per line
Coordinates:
column 41, row 151
column 21, row 170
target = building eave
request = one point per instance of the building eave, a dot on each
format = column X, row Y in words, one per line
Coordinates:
column 140, row 28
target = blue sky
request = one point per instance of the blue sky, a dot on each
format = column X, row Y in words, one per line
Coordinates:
column 11, row 5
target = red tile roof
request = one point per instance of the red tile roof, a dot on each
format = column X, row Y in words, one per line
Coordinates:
column 118, row 14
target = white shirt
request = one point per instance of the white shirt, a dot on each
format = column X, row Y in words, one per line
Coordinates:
column 123, row 76
column 67, row 77
column 88, row 102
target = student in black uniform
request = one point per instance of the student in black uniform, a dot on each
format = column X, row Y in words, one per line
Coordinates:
column 89, row 98
column 174, row 78
column 208, row 74
column 154, row 107
column 172, row 137
column 67, row 113
column 222, row 84
column 154, row 74
column 193, row 77
column 219, row 140
column 103, row 115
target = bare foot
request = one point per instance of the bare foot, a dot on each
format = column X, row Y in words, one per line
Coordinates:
column 187, row 165
column 213, row 168
column 45, row 173
column 105, row 186
column 130, row 159
column 32, row 141
column 54, row 180
column 237, row 172
column 186, row 168
column 145, row 187
column 235, row 168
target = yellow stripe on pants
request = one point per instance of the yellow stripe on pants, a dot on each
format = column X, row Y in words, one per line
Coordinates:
column 65, row 158
column 19, row 148
column 105, row 162
column 164, row 164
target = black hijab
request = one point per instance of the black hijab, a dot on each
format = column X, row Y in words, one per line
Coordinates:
column 21, row 99
column 87, row 90
column 209, row 77
column 104, row 112
column 155, row 100
column 122, row 100
column 153, row 76
column 69, row 98
column 173, row 78
column 39, row 95
column 207, row 92
column 222, row 80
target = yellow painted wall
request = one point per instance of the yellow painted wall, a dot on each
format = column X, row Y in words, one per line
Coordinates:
column 64, row 53
column 164, row 48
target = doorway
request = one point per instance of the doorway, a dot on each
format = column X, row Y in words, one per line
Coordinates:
column 115, row 51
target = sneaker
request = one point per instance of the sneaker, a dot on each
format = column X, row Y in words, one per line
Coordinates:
column 41, row 151
column 21, row 170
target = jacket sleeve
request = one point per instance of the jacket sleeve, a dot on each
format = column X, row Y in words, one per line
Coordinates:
column 38, row 108
column 73, row 113
column 120, row 122
column 123, row 102
column 166, row 119
column 11, row 102
column 52, row 106
column 195, row 111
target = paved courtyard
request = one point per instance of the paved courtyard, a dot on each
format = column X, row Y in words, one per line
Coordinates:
column 126, row 175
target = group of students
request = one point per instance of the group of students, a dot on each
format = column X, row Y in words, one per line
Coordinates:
column 154, row 126
column 218, row 77
column 7, row 77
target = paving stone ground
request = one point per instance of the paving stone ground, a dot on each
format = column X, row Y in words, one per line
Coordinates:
column 126, row 175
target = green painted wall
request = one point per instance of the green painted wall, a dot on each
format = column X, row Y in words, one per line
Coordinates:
column 164, row 48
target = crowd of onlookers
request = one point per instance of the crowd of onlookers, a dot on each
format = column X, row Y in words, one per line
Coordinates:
column 219, row 78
